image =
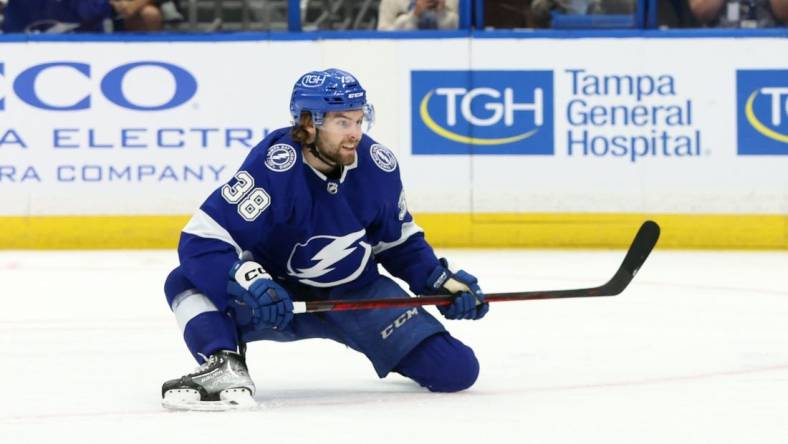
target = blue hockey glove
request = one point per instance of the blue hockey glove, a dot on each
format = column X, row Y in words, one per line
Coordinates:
column 469, row 302
column 270, row 304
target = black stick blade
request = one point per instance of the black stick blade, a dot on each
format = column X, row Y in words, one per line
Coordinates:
column 644, row 242
column 641, row 247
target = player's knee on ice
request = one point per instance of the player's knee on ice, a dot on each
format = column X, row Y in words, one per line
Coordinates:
column 441, row 363
column 175, row 284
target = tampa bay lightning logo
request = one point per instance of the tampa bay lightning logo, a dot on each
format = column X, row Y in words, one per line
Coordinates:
column 326, row 261
column 383, row 157
column 280, row 157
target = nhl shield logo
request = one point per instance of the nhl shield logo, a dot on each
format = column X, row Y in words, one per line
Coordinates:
column 280, row 157
column 383, row 157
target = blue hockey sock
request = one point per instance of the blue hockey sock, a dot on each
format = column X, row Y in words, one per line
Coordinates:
column 441, row 363
column 205, row 329
column 208, row 333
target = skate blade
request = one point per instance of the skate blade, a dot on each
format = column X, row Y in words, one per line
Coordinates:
column 189, row 400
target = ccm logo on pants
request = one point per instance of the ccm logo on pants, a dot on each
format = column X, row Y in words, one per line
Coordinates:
column 402, row 319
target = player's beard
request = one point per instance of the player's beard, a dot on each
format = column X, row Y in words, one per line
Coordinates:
column 342, row 153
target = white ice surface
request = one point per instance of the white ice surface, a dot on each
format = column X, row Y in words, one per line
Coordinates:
column 695, row 351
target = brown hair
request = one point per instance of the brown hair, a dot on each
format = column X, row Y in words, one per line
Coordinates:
column 299, row 132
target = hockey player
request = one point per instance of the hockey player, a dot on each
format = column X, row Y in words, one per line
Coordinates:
column 318, row 206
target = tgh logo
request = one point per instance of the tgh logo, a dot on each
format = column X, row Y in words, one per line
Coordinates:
column 313, row 80
column 25, row 86
column 762, row 114
column 482, row 112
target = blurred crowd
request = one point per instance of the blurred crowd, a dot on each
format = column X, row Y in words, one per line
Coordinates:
column 61, row 16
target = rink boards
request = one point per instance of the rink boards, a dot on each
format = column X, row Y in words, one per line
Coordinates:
column 512, row 142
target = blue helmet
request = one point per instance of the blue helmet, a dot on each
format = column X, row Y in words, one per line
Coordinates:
column 332, row 90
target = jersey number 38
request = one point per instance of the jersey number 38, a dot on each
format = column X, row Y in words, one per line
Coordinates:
column 251, row 201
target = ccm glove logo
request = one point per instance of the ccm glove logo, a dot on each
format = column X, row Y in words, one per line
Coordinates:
column 248, row 272
column 254, row 274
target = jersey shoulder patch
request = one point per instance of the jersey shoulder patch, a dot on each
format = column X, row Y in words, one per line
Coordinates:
column 383, row 157
column 280, row 157
column 267, row 179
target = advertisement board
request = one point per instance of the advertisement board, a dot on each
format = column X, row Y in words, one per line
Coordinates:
column 493, row 136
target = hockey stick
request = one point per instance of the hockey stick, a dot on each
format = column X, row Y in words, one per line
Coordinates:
column 644, row 242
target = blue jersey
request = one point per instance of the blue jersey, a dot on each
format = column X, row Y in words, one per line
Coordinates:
column 304, row 228
column 19, row 14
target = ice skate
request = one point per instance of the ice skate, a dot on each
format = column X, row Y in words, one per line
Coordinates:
column 221, row 383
